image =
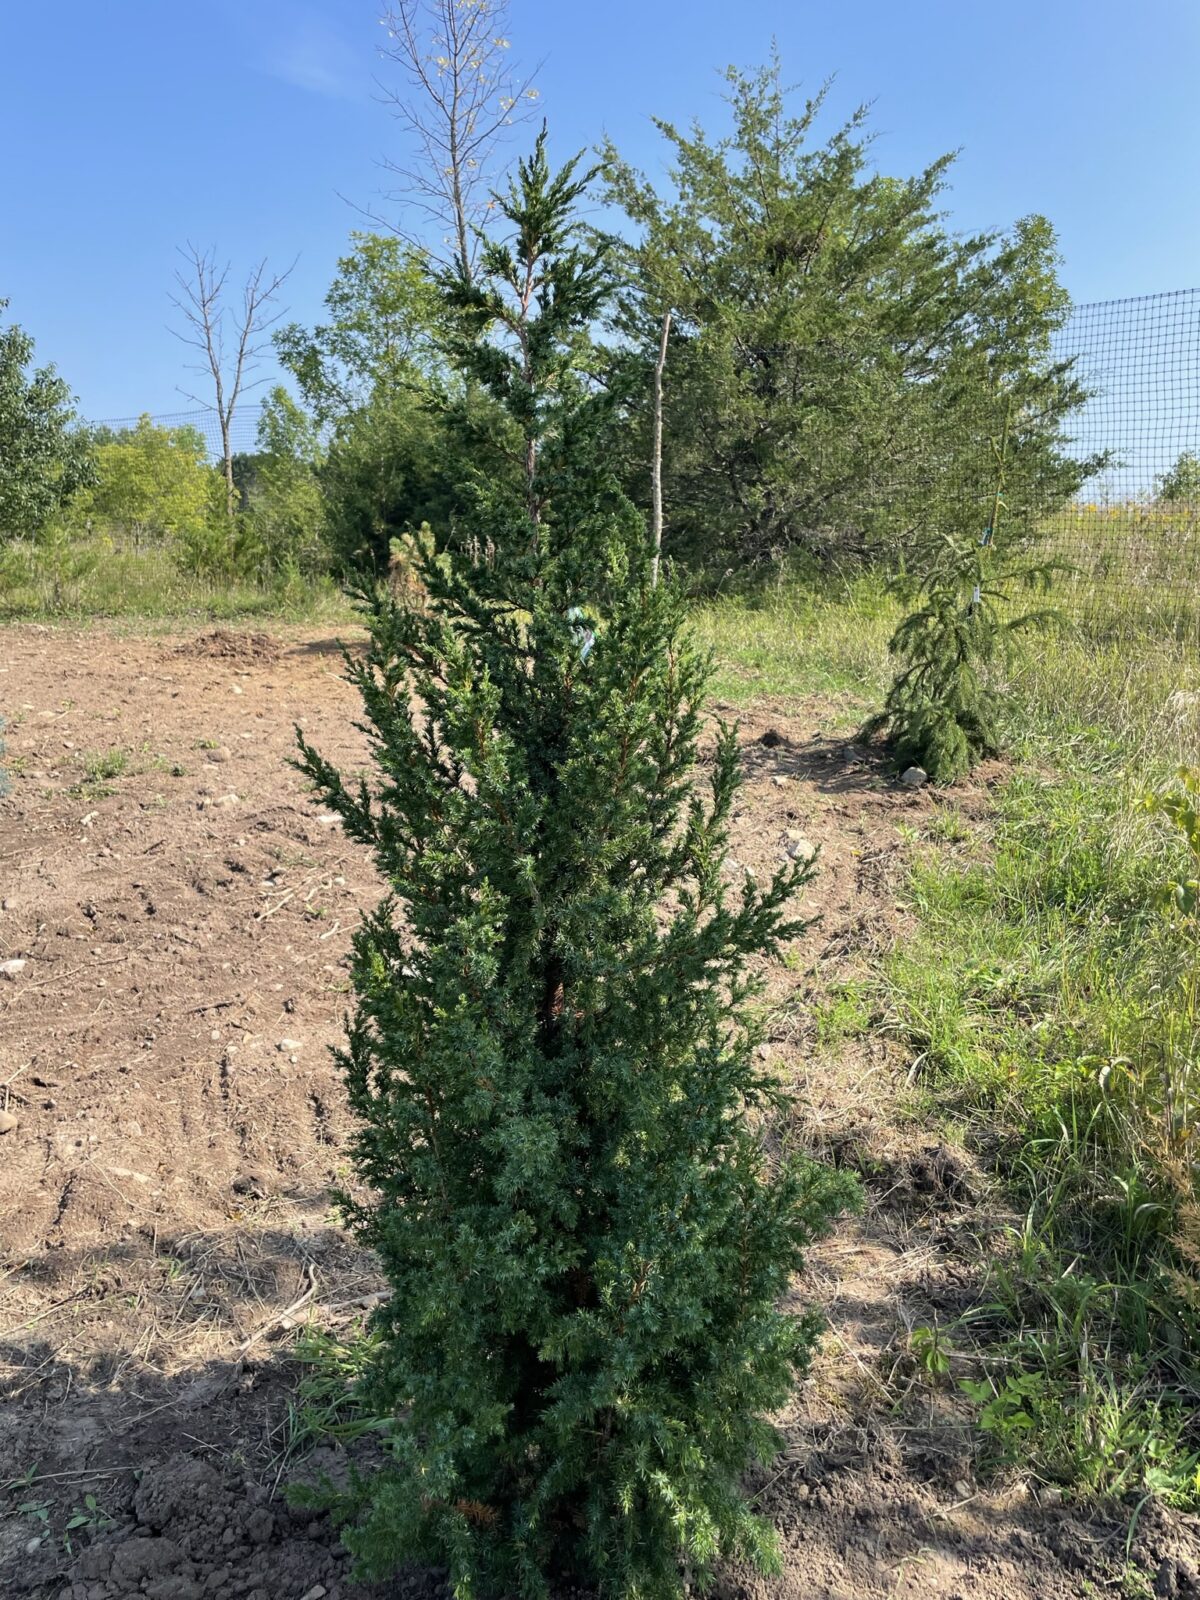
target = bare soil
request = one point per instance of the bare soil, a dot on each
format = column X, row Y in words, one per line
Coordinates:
column 182, row 910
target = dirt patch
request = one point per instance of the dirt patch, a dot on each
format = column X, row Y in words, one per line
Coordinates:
column 182, row 910
column 223, row 645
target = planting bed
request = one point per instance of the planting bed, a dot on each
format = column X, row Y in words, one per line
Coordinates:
column 182, row 910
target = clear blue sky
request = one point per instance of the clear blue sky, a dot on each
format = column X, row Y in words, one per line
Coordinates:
column 250, row 125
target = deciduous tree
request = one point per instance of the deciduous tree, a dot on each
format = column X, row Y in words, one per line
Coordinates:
column 461, row 97
column 45, row 458
column 230, row 342
column 372, row 375
column 151, row 482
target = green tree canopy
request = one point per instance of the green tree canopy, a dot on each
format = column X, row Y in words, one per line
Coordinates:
column 45, row 458
column 1182, row 482
column 836, row 353
column 151, row 481
column 283, row 525
column 369, row 377
column 380, row 337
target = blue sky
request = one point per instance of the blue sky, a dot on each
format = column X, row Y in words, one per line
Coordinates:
column 252, row 125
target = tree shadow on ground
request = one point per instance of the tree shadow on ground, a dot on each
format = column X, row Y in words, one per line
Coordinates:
column 186, row 1465
column 831, row 764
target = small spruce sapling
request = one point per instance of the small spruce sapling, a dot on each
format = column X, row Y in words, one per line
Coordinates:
column 942, row 713
column 562, row 1116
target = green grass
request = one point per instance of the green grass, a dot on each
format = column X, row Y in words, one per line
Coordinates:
column 101, row 764
column 1051, row 1009
column 824, row 635
column 1134, row 567
column 148, row 584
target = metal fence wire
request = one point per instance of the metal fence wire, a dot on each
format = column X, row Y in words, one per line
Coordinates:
column 1132, row 536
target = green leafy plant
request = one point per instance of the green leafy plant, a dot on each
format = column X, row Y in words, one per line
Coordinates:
column 930, row 1351
column 90, row 1517
column 1178, row 805
column 45, row 458
column 39, row 1510
column 562, row 1113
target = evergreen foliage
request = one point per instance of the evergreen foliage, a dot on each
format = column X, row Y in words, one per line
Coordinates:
column 943, row 710
column 562, row 1117
column 826, row 338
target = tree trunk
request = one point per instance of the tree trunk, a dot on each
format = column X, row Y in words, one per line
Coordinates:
column 227, row 453
column 656, row 519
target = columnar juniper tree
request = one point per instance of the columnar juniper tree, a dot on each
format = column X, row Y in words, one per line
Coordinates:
column 562, row 1112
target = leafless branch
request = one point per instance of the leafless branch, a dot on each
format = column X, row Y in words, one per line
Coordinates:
column 200, row 302
column 460, row 99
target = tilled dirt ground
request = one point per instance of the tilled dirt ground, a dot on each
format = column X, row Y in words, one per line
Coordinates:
column 174, row 911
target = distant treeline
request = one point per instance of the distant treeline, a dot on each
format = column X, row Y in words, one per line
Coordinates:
column 838, row 365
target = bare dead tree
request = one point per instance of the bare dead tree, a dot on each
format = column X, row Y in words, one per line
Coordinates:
column 461, row 98
column 227, row 364
column 656, row 503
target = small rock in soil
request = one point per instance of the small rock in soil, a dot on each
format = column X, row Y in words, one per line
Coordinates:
column 799, row 847
column 12, row 968
column 7, row 1122
column 914, row 777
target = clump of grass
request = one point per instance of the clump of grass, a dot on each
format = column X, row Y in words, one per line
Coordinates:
column 101, row 764
column 148, row 583
column 1053, row 1006
column 326, row 1403
column 826, row 634
column 99, row 768
column 1053, row 1015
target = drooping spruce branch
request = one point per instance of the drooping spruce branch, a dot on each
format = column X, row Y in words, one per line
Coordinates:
column 942, row 712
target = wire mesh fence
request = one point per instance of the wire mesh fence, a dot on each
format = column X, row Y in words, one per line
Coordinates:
column 200, row 422
column 1131, row 537
column 154, row 533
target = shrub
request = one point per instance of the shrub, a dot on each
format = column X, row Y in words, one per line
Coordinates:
column 562, row 1119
